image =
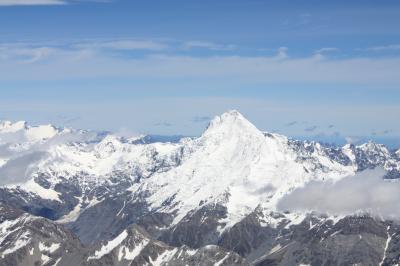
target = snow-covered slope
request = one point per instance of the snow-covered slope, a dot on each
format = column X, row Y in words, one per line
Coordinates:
column 112, row 154
column 234, row 164
column 23, row 148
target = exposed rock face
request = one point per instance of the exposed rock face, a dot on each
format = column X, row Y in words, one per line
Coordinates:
column 28, row 240
column 257, row 240
column 135, row 247
column 198, row 228
column 252, row 237
column 358, row 240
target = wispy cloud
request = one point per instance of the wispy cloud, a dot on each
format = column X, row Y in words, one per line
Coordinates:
column 311, row 129
column 89, row 59
column 35, row 52
column 354, row 139
column 381, row 133
column 201, row 119
column 326, row 50
column 282, row 53
column 30, row 2
column 69, row 120
column 291, row 123
column 208, row 45
column 392, row 47
column 320, row 54
column 124, row 44
column 44, row 2
column 25, row 54
column 163, row 124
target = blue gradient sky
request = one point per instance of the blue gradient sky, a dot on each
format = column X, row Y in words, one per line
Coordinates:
column 303, row 68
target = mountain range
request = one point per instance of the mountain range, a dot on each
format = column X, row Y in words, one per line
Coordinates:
column 76, row 197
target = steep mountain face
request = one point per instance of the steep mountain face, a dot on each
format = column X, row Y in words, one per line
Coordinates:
column 29, row 240
column 135, row 247
column 191, row 200
column 359, row 240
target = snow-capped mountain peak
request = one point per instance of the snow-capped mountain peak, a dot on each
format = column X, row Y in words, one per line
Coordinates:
column 110, row 144
column 371, row 146
column 233, row 164
column 229, row 123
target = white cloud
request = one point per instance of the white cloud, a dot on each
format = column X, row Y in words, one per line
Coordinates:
column 282, row 53
column 365, row 192
column 326, row 50
column 352, row 139
column 44, row 2
column 125, row 44
column 392, row 47
column 208, row 45
column 25, row 54
column 30, row 2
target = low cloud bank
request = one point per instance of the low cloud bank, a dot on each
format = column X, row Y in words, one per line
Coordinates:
column 365, row 192
column 22, row 162
column 18, row 169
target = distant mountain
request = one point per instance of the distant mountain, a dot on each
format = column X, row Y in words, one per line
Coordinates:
column 196, row 201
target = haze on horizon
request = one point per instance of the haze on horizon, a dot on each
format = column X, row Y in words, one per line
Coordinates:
column 304, row 69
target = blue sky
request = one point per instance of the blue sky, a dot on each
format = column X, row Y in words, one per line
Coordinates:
column 303, row 68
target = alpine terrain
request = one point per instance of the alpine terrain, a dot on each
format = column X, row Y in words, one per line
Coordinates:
column 75, row 197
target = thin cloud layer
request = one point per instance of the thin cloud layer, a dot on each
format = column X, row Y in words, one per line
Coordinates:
column 392, row 47
column 365, row 192
column 43, row 2
column 46, row 62
column 201, row 119
column 17, row 170
column 311, row 129
column 124, row 45
column 30, row 2
column 208, row 45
